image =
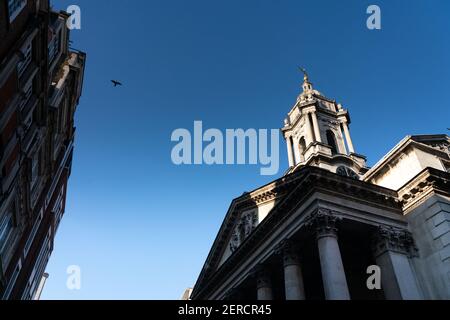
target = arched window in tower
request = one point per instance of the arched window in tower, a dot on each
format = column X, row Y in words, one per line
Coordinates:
column 347, row 172
column 302, row 147
column 331, row 140
column 292, row 146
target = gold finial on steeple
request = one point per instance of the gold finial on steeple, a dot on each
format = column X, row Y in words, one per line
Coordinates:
column 305, row 74
column 307, row 86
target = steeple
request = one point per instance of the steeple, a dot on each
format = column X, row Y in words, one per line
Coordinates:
column 316, row 132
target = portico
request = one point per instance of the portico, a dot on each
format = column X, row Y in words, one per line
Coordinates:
column 316, row 243
column 281, row 276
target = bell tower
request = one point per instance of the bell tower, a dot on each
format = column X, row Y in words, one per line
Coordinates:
column 317, row 133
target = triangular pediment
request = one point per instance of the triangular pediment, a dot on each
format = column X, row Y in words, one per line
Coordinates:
column 243, row 225
column 245, row 214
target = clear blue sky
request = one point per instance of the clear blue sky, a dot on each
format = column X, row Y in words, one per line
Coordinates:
column 140, row 227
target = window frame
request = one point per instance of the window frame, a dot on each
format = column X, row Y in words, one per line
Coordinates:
column 13, row 279
column 8, row 218
column 54, row 47
column 27, row 51
column 33, row 232
column 27, row 92
column 13, row 13
column 332, row 141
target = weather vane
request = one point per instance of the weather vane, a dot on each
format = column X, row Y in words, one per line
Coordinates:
column 304, row 72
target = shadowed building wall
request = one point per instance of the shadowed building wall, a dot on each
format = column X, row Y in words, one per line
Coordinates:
column 40, row 86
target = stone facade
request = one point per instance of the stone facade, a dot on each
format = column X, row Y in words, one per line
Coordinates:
column 330, row 217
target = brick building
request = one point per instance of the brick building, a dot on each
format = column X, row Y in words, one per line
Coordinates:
column 40, row 86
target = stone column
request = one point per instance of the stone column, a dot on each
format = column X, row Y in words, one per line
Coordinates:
column 316, row 127
column 309, row 130
column 297, row 155
column 392, row 248
column 333, row 274
column 293, row 277
column 290, row 151
column 348, row 138
column 263, row 284
column 341, row 142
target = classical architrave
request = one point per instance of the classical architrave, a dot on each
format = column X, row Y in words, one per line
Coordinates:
column 424, row 143
column 430, row 181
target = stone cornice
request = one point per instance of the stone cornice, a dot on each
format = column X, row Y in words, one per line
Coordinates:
column 320, row 157
column 313, row 103
column 400, row 149
column 427, row 182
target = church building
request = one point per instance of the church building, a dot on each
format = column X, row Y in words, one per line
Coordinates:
column 330, row 221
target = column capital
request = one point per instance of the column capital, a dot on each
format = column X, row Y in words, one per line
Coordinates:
column 290, row 151
column 262, row 275
column 316, row 126
column 343, row 120
column 323, row 222
column 289, row 251
column 388, row 238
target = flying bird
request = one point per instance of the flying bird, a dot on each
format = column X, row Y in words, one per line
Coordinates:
column 116, row 83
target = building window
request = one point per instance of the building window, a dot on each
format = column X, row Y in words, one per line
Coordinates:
column 33, row 232
column 347, row 172
column 39, row 268
column 332, row 141
column 27, row 123
column 34, row 169
column 27, row 57
column 26, row 94
column 13, row 279
column 302, row 145
column 15, row 7
column 58, row 209
column 6, row 227
column 61, row 116
column 54, row 46
column 35, row 174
